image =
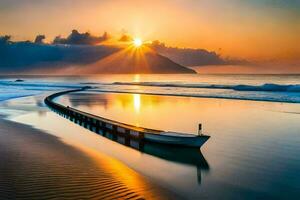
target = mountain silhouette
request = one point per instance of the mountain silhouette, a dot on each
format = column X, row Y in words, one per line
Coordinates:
column 133, row 61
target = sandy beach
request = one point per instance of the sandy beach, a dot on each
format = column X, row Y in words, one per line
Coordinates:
column 37, row 165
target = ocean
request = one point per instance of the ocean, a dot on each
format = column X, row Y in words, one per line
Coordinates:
column 253, row 121
column 275, row 88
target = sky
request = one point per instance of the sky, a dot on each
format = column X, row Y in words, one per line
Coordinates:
column 243, row 29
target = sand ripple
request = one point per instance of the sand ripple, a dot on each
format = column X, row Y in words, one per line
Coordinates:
column 36, row 165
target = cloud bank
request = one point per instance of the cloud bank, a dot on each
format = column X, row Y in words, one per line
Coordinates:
column 76, row 55
column 192, row 57
column 80, row 49
column 77, row 38
column 24, row 57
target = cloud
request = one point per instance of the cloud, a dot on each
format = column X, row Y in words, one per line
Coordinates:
column 37, row 56
column 77, row 38
column 5, row 39
column 39, row 39
column 125, row 38
column 191, row 57
column 25, row 57
column 40, row 58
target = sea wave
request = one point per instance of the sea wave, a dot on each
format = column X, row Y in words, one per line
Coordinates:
column 11, row 89
column 40, row 84
column 253, row 96
column 18, row 94
column 267, row 92
column 268, row 87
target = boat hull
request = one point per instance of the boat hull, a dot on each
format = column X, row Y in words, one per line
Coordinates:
column 195, row 141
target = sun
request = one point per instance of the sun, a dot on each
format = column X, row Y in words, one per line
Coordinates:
column 137, row 42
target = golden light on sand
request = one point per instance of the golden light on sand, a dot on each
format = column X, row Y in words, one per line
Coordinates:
column 137, row 42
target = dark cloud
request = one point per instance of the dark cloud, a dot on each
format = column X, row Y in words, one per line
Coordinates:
column 39, row 39
column 125, row 38
column 37, row 56
column 77, row 38
column 23, row 57
column 5, row 39
column 190, row 57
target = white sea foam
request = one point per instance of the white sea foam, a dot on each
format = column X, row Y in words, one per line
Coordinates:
column 12, row 89
column 40, row 84
column 7, row 96
column 265, row 87
column 265, row 92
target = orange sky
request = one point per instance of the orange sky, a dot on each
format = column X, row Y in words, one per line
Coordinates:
column 255, row 30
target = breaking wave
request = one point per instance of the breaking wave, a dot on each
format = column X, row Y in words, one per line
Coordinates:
column 10, row 89
column 45, row 85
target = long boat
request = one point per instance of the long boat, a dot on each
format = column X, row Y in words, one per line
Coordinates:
column 126, row 130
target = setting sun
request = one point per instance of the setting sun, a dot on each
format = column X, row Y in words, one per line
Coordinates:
column 137, row 42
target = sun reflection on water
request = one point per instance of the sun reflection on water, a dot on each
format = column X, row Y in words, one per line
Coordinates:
column 137, row 102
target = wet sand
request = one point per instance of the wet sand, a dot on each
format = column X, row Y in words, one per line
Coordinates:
column 37, row 165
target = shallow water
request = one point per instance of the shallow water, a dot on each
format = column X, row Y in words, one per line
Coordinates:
column 253, row 151
column 275, row 88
